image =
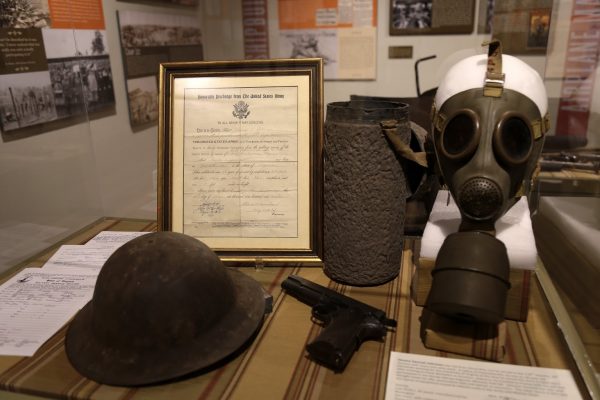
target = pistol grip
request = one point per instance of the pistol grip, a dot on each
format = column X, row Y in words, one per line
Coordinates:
column 339, row 339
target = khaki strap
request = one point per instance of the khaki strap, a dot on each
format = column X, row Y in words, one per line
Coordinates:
column 389, row 127
column 541, row 126
column 438, row 120
column 494, row 78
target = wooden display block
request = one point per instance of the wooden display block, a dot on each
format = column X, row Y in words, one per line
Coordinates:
column 517, row 302
column 478, row 340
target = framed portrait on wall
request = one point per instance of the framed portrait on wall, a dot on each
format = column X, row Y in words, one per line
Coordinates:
column 240, row 150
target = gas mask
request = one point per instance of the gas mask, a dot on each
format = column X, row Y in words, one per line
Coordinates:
column 489, row 121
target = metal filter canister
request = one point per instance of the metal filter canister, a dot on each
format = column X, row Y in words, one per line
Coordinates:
column 365, row 192
column 470, row 278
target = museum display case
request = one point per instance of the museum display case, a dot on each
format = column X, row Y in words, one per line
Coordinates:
column 89, row 144
column 566, row 197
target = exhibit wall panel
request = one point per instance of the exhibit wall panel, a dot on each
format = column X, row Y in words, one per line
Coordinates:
column 59, row 176
column 396, row 77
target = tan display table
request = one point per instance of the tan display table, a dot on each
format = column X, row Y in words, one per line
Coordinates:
column 275, row 365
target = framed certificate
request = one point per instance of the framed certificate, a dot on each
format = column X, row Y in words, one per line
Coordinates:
column 240, row 158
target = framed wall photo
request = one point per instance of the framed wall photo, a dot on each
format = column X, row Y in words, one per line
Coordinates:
column 431, row 17
column 523, row 27
column 240, row 158
column 147, row 39
column 539, row 28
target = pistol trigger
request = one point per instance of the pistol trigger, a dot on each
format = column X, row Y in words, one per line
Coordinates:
column 322, row 312
column 372, row 329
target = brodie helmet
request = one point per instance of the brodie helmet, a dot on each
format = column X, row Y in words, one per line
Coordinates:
column 163, row 306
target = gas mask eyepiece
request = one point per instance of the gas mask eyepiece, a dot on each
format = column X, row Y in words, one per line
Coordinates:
column 489, row 121
column 460, row 137
column 513, row 139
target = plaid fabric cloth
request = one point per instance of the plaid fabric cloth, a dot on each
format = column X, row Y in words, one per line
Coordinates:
column 275, row 366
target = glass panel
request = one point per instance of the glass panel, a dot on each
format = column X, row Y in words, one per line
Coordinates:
column 47, row 163
column 567, row 217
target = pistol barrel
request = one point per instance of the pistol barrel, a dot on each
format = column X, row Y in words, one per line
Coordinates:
column 312, row 294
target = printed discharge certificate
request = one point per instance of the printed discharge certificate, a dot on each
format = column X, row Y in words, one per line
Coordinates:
column 243, row 160
column 240, row 162
column 240, row 157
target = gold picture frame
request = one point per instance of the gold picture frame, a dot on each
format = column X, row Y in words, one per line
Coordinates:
column 240, row 158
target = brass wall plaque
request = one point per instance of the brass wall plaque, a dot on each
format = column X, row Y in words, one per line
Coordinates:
column 400, row 52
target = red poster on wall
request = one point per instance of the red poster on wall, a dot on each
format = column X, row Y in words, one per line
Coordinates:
column 76, row 14
column 256, row 29
column 581, row 62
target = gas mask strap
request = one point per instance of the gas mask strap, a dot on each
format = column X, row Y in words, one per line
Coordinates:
column 540, row 126
column 403, row 150
column 494, row 78
column 439, row 120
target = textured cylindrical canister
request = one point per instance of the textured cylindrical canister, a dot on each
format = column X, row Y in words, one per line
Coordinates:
column 365, row 192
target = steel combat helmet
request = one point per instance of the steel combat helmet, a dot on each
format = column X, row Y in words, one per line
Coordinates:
column 163, row 306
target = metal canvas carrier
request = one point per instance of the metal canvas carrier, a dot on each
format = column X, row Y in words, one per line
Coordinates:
column 365, row 191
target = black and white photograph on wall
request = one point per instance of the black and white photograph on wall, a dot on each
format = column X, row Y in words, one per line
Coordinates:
column 343, row 34
column 411, row 14
column 24, row 80
column 148, row 39
column 23, row 14
column 80, row 70
column 70, row 66
column 155, row 30
column 65, row 75
column 315, row 43
column 26, row 100
column 431, row 17
column 142, row 94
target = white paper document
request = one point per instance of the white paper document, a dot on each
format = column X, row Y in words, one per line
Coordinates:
column 93, row 254
column 35, row 303
column 412, row 376
column 113, row 239
column 241, row 174
column 78, row 256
